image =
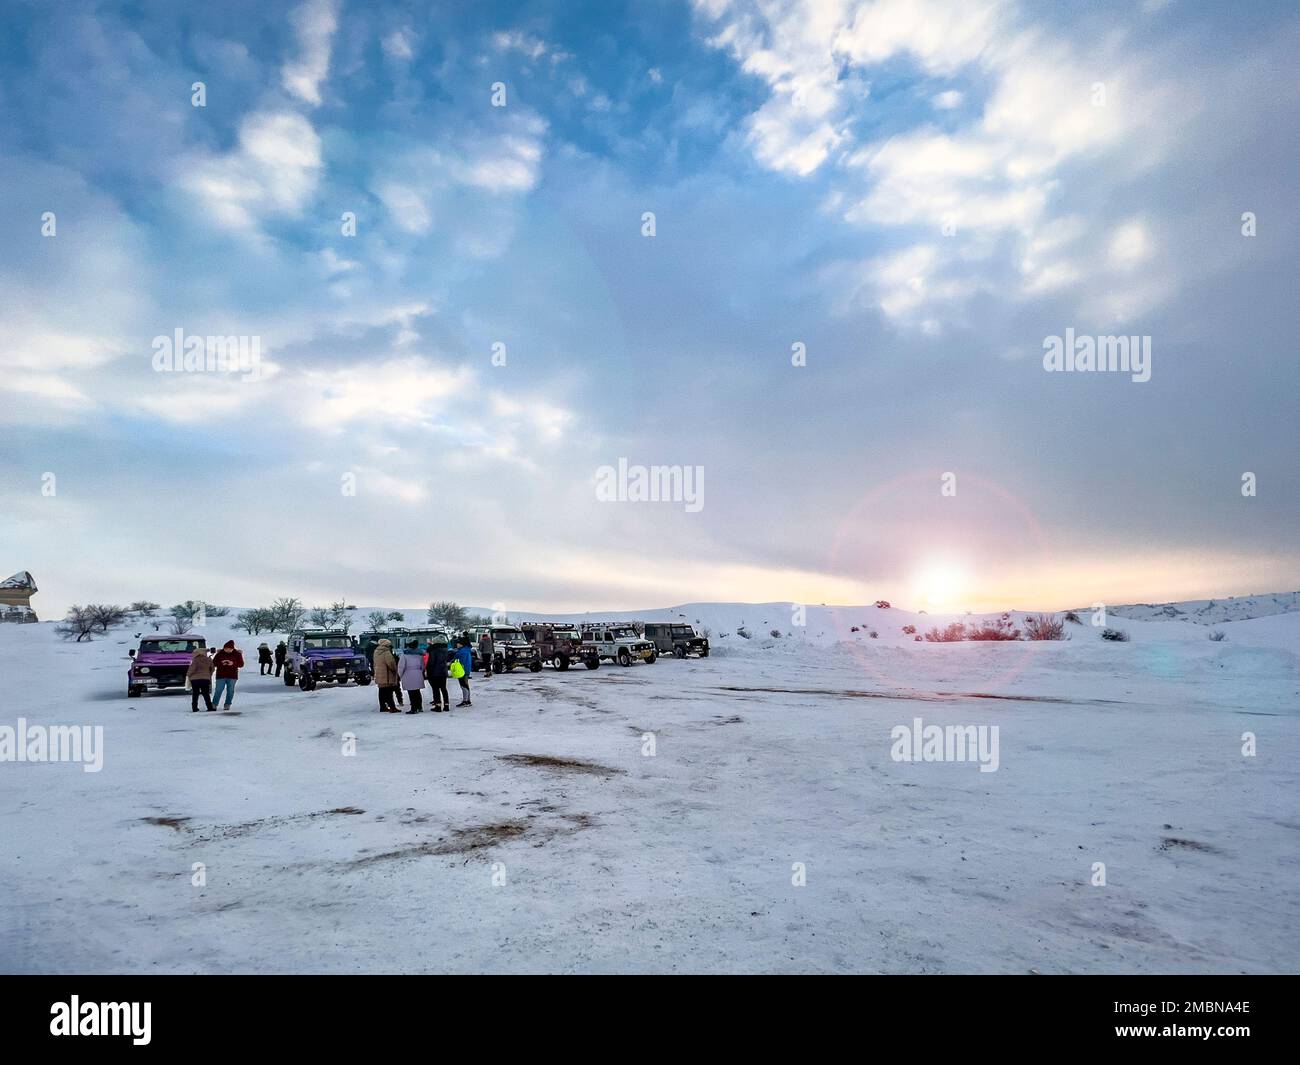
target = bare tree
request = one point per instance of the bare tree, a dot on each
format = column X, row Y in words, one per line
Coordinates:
column 105, row 615
column 377, row 619
column 287, row 614
column 448, row 614
column 80, row 623
column 144, row 608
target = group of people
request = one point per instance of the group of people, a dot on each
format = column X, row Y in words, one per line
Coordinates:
column 393, row 674
column 413, row 669
column 206, row 662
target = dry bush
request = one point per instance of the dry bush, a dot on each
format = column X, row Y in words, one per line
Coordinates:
column 1044, row 627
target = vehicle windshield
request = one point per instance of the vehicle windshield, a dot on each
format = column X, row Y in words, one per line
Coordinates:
column 170, row 647
column 683, row 630
column 624, row 634
column 566, row 634
column 319, row 642
column 507, row 634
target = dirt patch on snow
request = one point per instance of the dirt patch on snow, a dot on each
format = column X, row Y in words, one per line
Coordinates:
column 176, row 824
column 561, row 765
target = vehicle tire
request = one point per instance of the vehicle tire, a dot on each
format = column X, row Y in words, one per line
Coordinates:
column 679, row 651
column 654, row 657
column 133, row 692
column 704, row 653
column 288, row 679
column 561, row 662
column 306, row 683
column 624, row 659
column 535, row 666
column 499, row 664
column 363, row 679
column 593, row 663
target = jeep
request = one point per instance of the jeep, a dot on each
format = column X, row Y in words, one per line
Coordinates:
column 423, row 636
column 510, row 648
column 161, row 662
column 324, row 656
column 561, row 645
column 676, row 638
column 618, row 642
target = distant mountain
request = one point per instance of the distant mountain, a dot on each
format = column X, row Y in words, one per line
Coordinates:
column 1212, row 611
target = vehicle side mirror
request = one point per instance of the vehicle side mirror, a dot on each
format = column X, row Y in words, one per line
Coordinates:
column 131, row 653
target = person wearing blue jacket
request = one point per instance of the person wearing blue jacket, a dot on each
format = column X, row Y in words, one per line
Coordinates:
column 466, row 658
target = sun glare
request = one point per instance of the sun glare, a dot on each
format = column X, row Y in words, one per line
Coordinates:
column 942, row 585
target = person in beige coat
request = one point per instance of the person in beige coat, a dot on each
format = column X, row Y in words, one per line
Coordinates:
column 386, row 676
column 199, row 676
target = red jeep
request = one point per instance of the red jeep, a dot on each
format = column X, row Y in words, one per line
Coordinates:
column 559, row 644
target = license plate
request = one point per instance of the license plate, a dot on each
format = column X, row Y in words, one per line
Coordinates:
column 340, row 671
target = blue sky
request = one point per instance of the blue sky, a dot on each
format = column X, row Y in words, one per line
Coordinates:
column 920, row 192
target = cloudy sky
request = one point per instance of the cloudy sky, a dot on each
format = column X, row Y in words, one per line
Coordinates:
column 918, row 192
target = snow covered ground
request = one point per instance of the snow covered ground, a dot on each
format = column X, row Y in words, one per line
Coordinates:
column 534, row 832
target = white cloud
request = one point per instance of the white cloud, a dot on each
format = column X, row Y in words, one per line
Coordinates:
column 314, row 23
column 274, row 170
column 1130, row 245
column 946, row 101
column 400, row 44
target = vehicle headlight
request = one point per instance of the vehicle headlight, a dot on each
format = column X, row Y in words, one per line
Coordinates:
column 142, row 670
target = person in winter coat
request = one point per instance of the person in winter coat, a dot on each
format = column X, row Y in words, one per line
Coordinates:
column 410, row 673
column 227, row 662
column 485, row 650
column 263, row 660
column 435, row 669
column 199, row 676
column 281, row 653
column 466, row 658
column 386, row 676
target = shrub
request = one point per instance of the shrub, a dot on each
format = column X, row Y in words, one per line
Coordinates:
column 1117, row 635
column 909, row 630
column 998, row 629
column 1070, row 615
column 1218, row 636
column 744, row 633
column 853, row 629
column 873, row 634
column 1044, row 627
column 776, row 633
column 882, row 604
column 917, row 639
column 954, row 633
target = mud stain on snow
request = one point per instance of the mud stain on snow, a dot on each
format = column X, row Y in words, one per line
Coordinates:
column 472, row 838
column 1169, row 843
column 176, row 824
column 561, row 765
column 912, row 696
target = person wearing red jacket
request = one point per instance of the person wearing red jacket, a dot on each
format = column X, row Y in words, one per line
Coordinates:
column 228, row 662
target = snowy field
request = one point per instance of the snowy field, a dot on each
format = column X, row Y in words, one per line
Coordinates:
column 533, row 833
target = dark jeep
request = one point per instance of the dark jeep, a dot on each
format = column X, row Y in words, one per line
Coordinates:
column 676, row 638
column 561, row 645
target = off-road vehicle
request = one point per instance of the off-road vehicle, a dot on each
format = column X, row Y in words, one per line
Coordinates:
column 324, row 656
column 618, row 642
column 510, row 648
column 423, row 636
column 161, row 662
column 559, row 644
column 676, row 638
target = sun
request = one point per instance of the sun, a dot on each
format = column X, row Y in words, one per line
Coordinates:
column 942, row 584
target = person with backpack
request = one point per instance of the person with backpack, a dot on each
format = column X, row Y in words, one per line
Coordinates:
column 199, row 676
column 435, row 669
column 410, row 672
column 281, row 653
column 462, row 664
column 227, row 662
column 386, row 676
column 263, row 660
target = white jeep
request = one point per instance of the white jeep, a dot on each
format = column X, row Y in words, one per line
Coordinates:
column 619, row 643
